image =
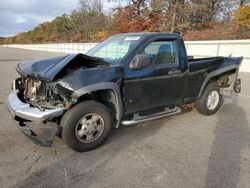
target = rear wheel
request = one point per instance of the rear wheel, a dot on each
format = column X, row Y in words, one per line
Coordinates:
column 86, row 126
column 210, row 101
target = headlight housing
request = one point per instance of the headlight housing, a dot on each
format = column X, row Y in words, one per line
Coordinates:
column 32, row 88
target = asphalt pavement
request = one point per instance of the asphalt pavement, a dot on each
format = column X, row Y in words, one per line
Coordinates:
column 189, row 150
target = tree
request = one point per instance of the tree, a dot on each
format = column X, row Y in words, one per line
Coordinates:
column 244, row 2
column 196, row 19
column 88, row 21
column 242, row 16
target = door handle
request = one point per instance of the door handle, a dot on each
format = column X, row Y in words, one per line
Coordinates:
column 174, row 71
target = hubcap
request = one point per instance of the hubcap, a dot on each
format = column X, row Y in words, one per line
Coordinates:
column 89, row 127
column 213, row 100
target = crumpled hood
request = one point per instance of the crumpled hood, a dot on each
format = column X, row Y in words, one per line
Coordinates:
column 87, row 77
column 49, row 68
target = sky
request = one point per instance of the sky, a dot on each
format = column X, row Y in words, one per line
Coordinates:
column 23, row 15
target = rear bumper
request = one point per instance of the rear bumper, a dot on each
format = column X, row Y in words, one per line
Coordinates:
column 23, row 112
column 26, row 112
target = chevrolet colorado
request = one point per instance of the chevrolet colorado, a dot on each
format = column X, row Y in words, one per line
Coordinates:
column 127, row 79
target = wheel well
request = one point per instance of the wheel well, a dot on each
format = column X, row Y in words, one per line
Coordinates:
column 223, row 80
column 106, row 97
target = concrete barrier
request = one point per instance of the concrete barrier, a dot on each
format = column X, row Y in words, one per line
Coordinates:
column 194, row 48
column 235, row 48
column 56, row 47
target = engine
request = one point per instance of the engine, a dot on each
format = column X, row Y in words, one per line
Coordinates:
column 41, row 94
column 34, row 90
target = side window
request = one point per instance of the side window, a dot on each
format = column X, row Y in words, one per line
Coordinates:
column 161, row 52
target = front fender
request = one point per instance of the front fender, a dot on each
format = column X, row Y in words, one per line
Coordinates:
column 103, row 86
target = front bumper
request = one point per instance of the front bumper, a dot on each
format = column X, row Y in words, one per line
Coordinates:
column 23, row 112
column 26, row 112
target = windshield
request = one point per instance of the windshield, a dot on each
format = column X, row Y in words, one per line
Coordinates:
column 115, row 48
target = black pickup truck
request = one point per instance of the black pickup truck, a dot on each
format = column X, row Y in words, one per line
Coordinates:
column 126, row 79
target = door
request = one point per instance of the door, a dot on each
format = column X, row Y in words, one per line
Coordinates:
column 170, row 80
column 160, row 84
column 138, row 86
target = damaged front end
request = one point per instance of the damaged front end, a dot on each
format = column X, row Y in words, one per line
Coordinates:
column 43, row 95
column 35, row 100
column 32, row 101
column 24, row 104
column 35, row 96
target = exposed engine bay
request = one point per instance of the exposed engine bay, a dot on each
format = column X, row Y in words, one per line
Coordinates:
column 41, row 94
column 41, row 89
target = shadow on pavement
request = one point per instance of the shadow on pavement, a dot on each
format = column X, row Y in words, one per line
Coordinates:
column 232, row 135
column 84, row 169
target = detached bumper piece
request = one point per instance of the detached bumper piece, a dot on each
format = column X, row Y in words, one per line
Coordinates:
column 45, row 139
column 23, row 112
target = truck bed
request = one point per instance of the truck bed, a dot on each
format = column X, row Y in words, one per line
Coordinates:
column 191, row 59
column 198, row 70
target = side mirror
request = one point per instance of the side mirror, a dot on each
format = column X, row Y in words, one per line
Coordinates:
column 139, row 62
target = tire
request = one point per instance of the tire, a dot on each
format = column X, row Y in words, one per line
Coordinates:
column 81, row 121
column 203, row 105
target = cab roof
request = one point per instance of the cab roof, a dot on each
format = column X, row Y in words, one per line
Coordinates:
column 144, row 34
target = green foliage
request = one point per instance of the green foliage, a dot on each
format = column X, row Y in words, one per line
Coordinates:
column 84, row 25
column 1, row 40
column 242, row 16
column 197, row 20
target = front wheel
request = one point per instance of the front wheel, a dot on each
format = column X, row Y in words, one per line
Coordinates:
column 210, row 101
column 86, row 126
